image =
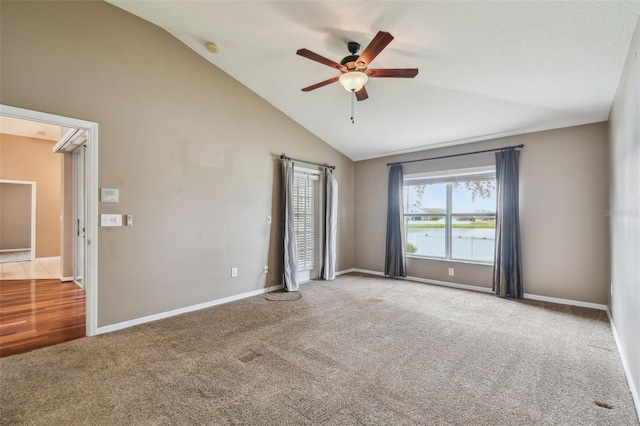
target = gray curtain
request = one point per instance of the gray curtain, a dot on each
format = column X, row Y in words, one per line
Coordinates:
column 395, row 262
column 290, row 245
column 331, row 226
column 507, row 267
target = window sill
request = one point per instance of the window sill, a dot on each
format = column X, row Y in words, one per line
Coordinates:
column 441, row 259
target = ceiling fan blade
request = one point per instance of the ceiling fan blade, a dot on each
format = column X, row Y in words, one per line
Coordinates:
column 322, row 83
column 392, row 72
column 315, row 57
column 362, row 94
column 378, row 43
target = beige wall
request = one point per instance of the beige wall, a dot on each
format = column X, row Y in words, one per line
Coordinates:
column 15, row 216
column 32, row 160
column 192, row 151
column 624, row 209
column 563, row 193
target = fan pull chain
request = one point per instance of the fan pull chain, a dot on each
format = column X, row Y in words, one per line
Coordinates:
column 352, row 108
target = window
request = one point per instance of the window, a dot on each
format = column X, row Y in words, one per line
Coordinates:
column 451, row 215
column 305, row 200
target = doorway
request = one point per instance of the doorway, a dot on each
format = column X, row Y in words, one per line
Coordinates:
column 17, row 220
column 85, row 199
column 307, row 207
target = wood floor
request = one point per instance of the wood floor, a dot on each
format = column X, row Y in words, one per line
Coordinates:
column 39, row 313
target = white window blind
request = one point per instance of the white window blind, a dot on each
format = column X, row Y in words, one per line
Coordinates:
column 305, row 217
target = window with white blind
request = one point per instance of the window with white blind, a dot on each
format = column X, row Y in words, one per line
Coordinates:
column 305, row 205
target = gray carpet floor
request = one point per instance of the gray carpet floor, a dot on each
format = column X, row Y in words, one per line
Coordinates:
column 359, row 350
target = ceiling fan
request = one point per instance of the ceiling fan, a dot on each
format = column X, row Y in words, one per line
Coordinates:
column 354, row 68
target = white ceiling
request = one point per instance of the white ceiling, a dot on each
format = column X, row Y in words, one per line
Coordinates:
column 487, row 69
column 29, row 129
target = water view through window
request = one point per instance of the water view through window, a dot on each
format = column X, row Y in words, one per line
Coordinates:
column 451, row 220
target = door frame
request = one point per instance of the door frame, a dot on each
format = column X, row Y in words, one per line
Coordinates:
column 79, row 186
column 91, row 184
column 33, row 210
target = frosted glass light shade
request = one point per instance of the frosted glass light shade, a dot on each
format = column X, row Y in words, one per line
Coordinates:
column 353, row 81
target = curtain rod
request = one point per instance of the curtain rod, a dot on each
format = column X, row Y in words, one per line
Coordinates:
column 325, row 165
column 506, row 148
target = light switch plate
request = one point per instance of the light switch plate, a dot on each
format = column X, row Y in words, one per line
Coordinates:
column 110, row 220
column 109, row 195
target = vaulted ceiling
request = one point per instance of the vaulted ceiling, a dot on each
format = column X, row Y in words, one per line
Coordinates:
column 487, row 69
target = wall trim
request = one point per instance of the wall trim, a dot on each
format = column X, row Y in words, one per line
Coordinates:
column 367, row 271
column 65, row 279
column 559, row 301
column 346, row 271
column 179, row 311
column 450, row 284
column 625, row 365
column 488, row 290
column 429, row 281
column 199, row 306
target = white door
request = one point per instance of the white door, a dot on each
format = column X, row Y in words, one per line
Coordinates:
column 307, row 208
column 79, row 215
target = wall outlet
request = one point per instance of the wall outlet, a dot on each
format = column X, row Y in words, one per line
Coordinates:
column 269, row 220
column 234, row 272
column 266, row 269
column 451, row 272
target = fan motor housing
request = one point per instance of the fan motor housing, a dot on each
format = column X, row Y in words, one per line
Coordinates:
column 348, row 59
column 351, row 61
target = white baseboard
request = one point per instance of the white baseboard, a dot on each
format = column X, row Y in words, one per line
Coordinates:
column 337, row 273
column 429, row 281
column 559, row 301
column 48, row 258
column 66, row 279
column 319, row 278
column 488, row 290
column 450, row 284
column 625, row 365
column 168, row 314
column 367, row 271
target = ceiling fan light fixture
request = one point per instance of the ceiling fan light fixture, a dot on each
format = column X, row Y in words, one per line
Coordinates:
column 353, row 81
